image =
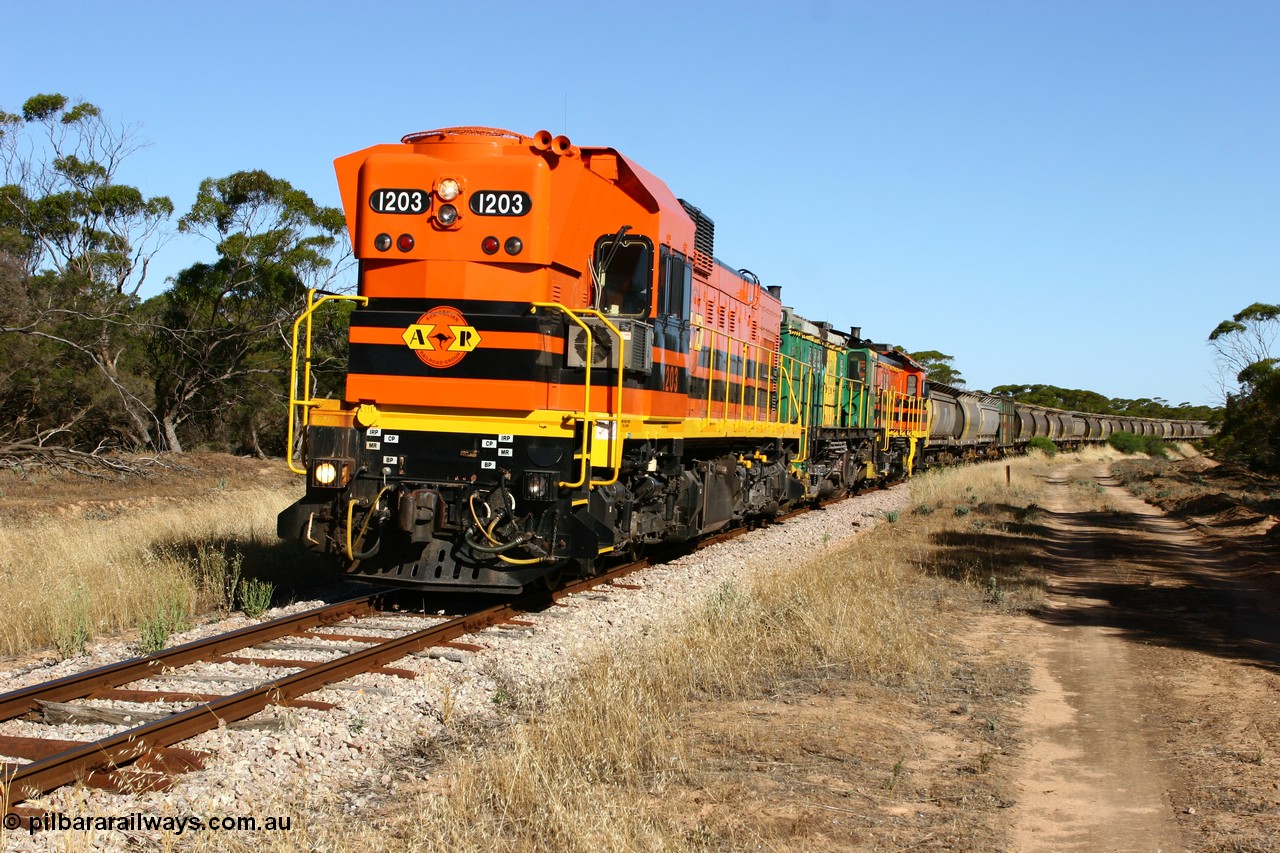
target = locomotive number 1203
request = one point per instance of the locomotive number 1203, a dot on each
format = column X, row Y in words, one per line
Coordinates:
column 499, row 203
column 398, row 201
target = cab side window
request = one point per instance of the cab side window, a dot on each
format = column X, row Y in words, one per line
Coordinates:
column 624, row 275
column 675, row 282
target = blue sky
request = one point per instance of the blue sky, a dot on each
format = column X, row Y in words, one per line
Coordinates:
column 1071, row 193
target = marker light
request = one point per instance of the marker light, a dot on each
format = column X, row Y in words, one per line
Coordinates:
column 514, row 245
column 382, row 242
column 405, row 242
column 489, row 245
column 447, row 214
column 448, row 189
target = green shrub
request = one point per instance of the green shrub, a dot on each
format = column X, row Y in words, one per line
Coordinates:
column 1030, row 512
column 1043, row 443
column 1126, row 442
column 1153, row 445
column 995, row 595
column 168, row 619
column 255, row 596
column 72, row 634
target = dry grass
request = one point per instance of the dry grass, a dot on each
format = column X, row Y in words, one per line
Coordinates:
column 944, row 488
column 980, row 526
column 574, row 774
column 66, row 580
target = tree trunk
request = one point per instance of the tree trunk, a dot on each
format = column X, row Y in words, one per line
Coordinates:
column 136, row 411
column 173, row 445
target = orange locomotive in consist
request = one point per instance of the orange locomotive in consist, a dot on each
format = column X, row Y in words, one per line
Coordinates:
column 547, row 366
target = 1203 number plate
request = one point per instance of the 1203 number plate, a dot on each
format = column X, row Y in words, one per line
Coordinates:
column 500, row 203
column 399, row 201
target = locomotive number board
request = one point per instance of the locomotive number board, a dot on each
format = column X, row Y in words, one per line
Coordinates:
column 399, row 201
column 500, row 203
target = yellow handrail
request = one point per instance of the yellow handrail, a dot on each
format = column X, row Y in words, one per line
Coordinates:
column 589, row 418
column 711, row 374
column 886, row 406
column 305, row 403
column 705, row 339
column 806, row 399
column 728, row 381
column 769, row 415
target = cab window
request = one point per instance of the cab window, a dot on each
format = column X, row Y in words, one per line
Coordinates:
column 912, row 385
column 675, row 282
column 623, row 272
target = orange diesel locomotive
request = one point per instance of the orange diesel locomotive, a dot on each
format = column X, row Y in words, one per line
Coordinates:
column 547, row 366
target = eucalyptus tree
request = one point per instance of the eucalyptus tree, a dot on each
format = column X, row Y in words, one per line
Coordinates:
column 1244, row 343
column 939, row 367
column 76, row 244
column 218, row 342
column 1251, row 422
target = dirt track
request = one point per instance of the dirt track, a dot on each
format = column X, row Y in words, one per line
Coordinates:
column 1153, row 721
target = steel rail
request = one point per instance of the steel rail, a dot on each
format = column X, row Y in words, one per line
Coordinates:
column 40, row 776
column 82, row 684
column 20, row 782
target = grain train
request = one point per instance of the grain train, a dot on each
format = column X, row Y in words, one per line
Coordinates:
column 548, row 367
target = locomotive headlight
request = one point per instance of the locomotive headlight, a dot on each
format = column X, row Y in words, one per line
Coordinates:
column 331, row 473
column 447, row 214
column 538, row 485
column 382, row 242
column 448, row 189
column 514, row 245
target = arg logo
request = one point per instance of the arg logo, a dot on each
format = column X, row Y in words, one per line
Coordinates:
column 441, row 337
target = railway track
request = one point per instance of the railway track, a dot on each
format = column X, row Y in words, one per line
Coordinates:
column 146, row 756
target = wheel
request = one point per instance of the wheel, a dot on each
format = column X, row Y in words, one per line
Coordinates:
column 553, row 579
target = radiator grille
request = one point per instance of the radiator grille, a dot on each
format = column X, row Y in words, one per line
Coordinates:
column 704, row 238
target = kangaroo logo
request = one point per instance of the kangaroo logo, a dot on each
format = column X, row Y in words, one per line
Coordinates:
column 441, row 337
